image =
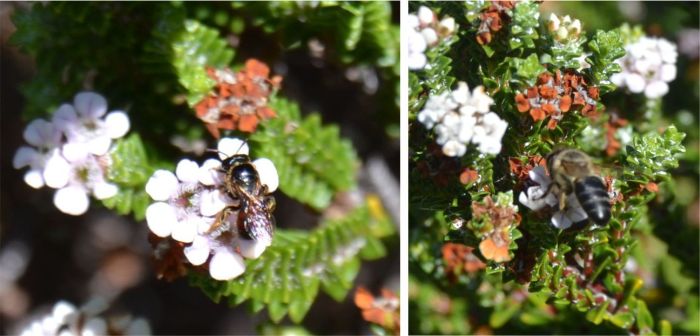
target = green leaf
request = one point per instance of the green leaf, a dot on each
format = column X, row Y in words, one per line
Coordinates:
column 312, row 160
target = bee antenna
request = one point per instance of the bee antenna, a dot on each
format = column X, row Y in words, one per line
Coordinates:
column 215, row 151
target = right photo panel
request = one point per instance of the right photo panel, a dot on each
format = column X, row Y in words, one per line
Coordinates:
column 553, row 167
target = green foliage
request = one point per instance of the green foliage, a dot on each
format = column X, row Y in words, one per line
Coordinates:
column 150, row 60
column 559, row 281
column 130, row 171
column 288, row 276
column 314, row 163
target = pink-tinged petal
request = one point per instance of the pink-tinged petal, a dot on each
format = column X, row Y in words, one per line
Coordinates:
column 75, row 151
column 198, row 252
column 99, row 145
column 34, row 178
column 635, row 82
column 268, row 173
column 209, row 173
column 560, row 221
column 162, row 185
column 668, row 72
column 117, row 124
column 187, row 171
column 186, row 230
column 24, row 156
column 57, row 171
column 252, row 249
column 72, row 200
column 90, row 105
column 212, row 202
column 65, row 117
column 160, row 218
column 104, row 190
column 41, row 133
column 231, row 146
column 226, row 265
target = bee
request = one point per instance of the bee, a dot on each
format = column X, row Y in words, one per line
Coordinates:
column 255, row 205
column 571, row 171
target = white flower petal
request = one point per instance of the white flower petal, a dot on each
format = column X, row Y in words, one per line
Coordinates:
column 198, row 252
column 539, row 176
column 425, row 15
column 104, row 190
column 138, row 326
column 268, row 173
column 34, row 178
column 94, row 327
column 226, row 265
column 187, row 171
column 635, row 82
column 24, row 156
column 57, row 171
column 656, row 89
column 252, row 249
column 162, row 185
column 41, row 133
column 212, row 202
column 186, row 230
column 117, row 124
column 160, row 218
column 417, row 61
column 668, row 72
column 75, row 151
column 231, row 146
column 72, row 200
column 448, row 25
column 560, row 221
column 454, row 148
column 209, row 173
column 90, row 104
column 62, row 309
column 430, row 36
column 65, row 117
column 99, row 145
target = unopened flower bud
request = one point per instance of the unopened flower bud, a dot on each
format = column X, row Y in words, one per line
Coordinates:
column 447, row 26
column 553, row 23
column 575, row 28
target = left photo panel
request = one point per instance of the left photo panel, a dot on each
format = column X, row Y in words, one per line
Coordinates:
column 199, row 168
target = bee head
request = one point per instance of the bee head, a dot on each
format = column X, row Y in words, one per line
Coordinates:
column 241, row 172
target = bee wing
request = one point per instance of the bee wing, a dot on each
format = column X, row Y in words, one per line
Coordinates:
column 259, row 223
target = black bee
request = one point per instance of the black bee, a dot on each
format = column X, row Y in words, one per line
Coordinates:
column 572, row 172
column 255, row 204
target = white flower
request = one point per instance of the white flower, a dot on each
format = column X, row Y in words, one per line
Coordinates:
column 462, row 116
column 82, row 122
column 425, row 32
column 537, row 197
column 190, row 202
column 650, row 63
column 45, row 137
column 75, row 164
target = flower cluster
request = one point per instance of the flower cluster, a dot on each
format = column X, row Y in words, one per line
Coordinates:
column 69, row 153
column 459, row 258
column 66, row 319
column 493, row 222
column 536, row 197
column 460, row 117
column 648, row 65
column 425, row 32
column 240, row 99
column 554, row 95
column 381, row 310
column 564, row 28
column 187, row 213
column 492, row 19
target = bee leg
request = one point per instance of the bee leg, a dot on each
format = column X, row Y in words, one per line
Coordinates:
column 221, row 217
column 270, row 203
column 562, row 201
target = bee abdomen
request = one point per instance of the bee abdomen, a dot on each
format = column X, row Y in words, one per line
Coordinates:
column 591, row 194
